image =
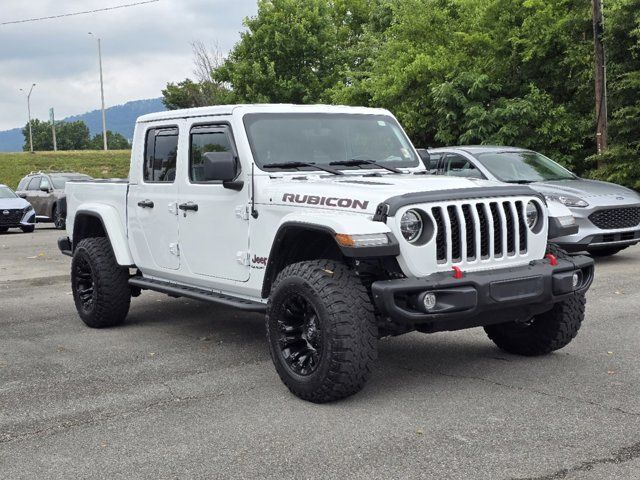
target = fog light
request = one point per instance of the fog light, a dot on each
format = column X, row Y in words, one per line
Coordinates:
column 576, row 279
column 429, row 301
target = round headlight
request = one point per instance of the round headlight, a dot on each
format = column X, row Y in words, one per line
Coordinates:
column 411, row 226
column 533, row 215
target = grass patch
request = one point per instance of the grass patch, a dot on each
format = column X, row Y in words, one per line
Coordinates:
column 98, row 164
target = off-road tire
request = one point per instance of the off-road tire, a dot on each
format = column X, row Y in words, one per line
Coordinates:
column 544, row 333
column 4, row 229
column 111, row 296
column 605, row 252
column 346, row 322
column 28, row 229
column 59, row 221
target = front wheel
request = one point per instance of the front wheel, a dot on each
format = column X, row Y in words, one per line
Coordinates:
column 321, row 330
column 100, row 286
column 28, row 229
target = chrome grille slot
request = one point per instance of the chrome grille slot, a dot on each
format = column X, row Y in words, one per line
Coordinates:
column 479, row 231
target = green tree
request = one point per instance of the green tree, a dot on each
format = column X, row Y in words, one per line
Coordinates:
column 69, row 135
column 115, row 141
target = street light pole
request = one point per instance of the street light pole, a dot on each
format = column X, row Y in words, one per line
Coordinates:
column 104, row 118
column 29, row 116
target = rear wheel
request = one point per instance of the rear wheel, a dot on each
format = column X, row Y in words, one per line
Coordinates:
column 100, row 286
column 604, row 252
column 321, row 330
column 59, row 220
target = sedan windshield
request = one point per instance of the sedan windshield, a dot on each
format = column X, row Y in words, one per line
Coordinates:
column 6, row 192
column 523, row 167
column 59, row 182
column 356, row 141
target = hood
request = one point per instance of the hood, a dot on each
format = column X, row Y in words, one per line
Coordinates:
column 356, row 193
column 13, row 203
column 592, row 191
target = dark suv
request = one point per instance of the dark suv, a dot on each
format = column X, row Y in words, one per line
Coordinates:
column 45, row 191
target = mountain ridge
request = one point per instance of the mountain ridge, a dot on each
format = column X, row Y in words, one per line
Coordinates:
column 120, row 119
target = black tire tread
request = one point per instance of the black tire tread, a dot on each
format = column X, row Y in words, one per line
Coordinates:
column 351, row 322
column 111, row 283
column 550, row 331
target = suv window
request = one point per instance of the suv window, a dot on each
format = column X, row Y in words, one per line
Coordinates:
column 204, row 140
column 34, row 184
column 161, row 153
column 23, row 183
column 458, row 166
column 432, row 164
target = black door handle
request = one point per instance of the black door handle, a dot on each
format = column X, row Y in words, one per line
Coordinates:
column 188, row 206
column 145, row 204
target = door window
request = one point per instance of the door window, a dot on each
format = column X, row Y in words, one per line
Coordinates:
column 161, row 154
column 206, row 139
column 432, row 164
column 34, row 184
column 459, row 166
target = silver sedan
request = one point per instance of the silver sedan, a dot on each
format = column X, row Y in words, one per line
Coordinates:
column 608, row 214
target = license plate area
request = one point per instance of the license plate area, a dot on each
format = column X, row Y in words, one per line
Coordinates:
column 517, row 289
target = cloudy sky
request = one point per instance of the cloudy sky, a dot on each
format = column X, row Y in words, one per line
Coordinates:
column 143, row 48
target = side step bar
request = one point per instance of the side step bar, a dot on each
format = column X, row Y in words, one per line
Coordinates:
column 197, row 294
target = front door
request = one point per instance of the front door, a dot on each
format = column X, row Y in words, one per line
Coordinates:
column 214, row 239
column 36, row 197
column 152, row 203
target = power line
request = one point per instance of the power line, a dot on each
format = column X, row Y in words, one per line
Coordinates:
column 79, row 13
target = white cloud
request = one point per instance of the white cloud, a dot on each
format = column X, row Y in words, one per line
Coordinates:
column 144, row 48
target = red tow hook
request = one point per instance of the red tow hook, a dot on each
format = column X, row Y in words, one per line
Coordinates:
column 553, row 261
column 457, row 273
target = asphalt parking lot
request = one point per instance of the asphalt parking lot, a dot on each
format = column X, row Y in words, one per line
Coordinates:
column 187, row 390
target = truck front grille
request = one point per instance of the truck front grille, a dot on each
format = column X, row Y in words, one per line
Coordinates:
column 616, row 218
column 480, row 230
column 13, row 216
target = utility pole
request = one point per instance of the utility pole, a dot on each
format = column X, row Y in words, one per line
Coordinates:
column 104, row 118
column 600, row 79
column 52, row 118
column 29, row 116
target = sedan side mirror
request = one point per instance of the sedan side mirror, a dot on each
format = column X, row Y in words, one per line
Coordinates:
column 222, row 167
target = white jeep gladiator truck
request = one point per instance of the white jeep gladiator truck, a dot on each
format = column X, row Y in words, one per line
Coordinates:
column 323, row 218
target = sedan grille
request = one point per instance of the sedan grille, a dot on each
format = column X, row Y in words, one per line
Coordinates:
column 616, row 218
column 14, row 216
column 480, row 230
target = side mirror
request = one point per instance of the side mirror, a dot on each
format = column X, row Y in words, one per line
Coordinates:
column 45, row 189
column 222, row 167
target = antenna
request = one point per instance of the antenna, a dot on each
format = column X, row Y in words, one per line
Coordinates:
column 254, row 212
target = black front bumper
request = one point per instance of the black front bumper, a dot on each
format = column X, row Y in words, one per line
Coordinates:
column 482, row 298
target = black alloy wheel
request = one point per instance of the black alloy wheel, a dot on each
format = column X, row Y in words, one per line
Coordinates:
column 299, row 335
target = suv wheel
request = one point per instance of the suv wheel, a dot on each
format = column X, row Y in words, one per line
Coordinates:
column 321, row 330
column 28, row 228
column 100, row 286
column 543, row 333
column 4, row 229
column 59, row 220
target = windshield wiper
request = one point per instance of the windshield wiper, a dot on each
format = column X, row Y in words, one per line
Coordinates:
column 355, row 162
column 302, row 164
column 520, row 182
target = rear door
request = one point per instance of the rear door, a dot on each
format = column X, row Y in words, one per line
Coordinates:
column 152, row 207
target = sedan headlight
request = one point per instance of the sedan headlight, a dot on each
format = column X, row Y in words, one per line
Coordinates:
column 568, row 200
column 411, row 226
column 27, row 209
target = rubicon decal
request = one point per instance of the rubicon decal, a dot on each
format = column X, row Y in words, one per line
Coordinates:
column 326, row 201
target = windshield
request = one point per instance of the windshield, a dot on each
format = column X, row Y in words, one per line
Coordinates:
column 5, row 192
column 523, row 167
column 59, row 182
column 323, row 138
